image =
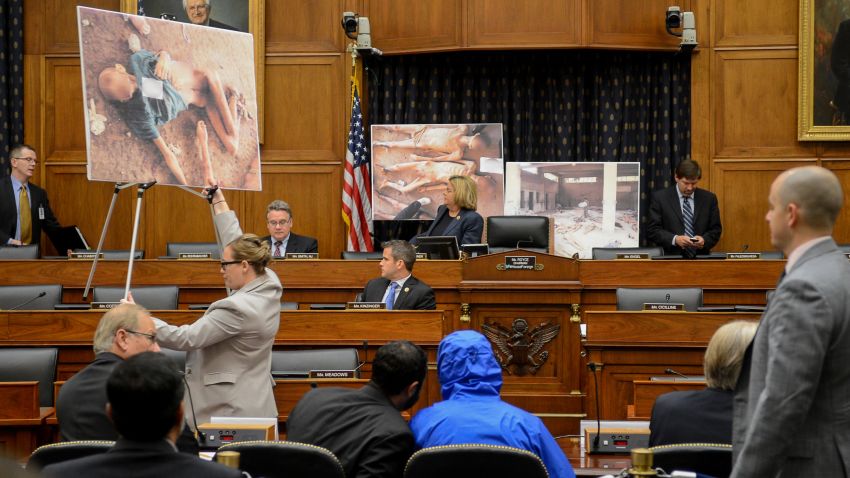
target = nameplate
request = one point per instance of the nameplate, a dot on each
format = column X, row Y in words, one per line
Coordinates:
column 302, row 255
column 520, row 262
column 421, row 255
column 332, row 374
column 743, row 255
column 191, row 256
column 663, row 306
column 84, row 256
column 104, row 305
column 366, row 305
column 632, row 255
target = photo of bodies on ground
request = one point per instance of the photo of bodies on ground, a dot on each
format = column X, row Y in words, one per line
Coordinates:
column 590, row 204
column 168, row 101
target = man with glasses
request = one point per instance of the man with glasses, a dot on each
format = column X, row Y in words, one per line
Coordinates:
column 123, row 332
column 18, row 195
column 199, row 11
column 281, row 239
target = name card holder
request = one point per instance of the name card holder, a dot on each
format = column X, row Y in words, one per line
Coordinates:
column 104, row 305
column 632, row 255
column 663, row 306
column 737, row 256
column 84, row 256
column 365, row 305
column 335, row 374
column 193, row 256
column 421, row 255
column 302, row 255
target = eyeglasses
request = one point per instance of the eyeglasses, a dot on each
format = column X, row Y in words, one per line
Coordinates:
column 224, row 264
column 197, row 8
column 280, row 223
column 29, row 160
column 151, row 337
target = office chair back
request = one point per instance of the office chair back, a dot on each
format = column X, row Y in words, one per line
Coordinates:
column 711, row 459
column 301, row 362
column 25, row 365
column 176, row 356
column 19, row 253
column 511, row 232
column 607, row 253
column 456, row 461
column 174, row 249
column 362, row 256
column 161, row 297
column 633, row 299
column 117, row 254
column 69, row 450
column 285, row 459
column 26, row 297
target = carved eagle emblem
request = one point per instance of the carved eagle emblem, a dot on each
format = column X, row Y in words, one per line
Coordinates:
column 520, row 350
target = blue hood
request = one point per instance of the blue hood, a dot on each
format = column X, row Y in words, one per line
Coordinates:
column 467, row 366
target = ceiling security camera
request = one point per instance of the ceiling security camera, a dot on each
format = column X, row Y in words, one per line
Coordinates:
column 349, row 24
column 673, row 19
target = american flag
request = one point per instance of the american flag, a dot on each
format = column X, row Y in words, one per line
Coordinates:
column 357, row 185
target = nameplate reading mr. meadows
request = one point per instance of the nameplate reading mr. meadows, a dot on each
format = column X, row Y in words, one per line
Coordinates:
column 663, row 306
column 332, row 374
column 366, row 305
column 105, row 305
column 743, row 255
column 632, row 255
column 302, row 255
column 84, row 256
column 191, row 256
column 520, row 262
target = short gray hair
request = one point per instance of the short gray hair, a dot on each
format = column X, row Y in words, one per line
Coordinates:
column 206, row 2
column 125, row 316
column 401, row 251
column 816, row 191
column 278, row 205
column 725, row 353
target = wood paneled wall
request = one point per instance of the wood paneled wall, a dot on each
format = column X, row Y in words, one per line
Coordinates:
column 744, row 102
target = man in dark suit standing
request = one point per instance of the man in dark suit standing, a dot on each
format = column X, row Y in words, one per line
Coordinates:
column 145, row 395
column 397, row 287
column 18, row 194
column 364, row 428
column 682, row 218
column 791, row 410
column 281, row 238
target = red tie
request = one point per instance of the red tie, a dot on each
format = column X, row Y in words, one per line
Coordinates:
column 277, row 248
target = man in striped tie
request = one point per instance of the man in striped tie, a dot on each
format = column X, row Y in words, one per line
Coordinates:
column 684, row 219
column 24, row 209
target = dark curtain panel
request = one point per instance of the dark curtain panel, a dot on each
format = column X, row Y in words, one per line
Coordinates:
column 561, row 105
column 11, row 77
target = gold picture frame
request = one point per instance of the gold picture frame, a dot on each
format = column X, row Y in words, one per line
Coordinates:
column 256, row 26
column 823, row 111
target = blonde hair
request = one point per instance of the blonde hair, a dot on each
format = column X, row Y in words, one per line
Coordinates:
column 725, row 353
column 249, row 247
column 125, row 316
column 466, row 194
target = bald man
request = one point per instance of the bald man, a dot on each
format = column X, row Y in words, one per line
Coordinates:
column 792, row 400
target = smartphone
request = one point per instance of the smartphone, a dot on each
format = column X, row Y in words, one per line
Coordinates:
column 693, row 239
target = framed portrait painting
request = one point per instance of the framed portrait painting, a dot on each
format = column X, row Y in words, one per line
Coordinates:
column 824, row 71
column 238, row 15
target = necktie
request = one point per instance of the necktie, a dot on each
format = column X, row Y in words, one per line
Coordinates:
column 277, row 248
column 26, row 216
column 391, row 295
column 688, row 217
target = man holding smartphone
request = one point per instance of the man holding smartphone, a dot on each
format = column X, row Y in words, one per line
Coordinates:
column 684, row 219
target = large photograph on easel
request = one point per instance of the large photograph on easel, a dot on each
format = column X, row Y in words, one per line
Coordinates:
column 413, row 162
column 168, row 101
column 590, row 204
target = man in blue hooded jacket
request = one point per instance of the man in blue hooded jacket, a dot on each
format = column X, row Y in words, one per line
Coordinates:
column 473, row 412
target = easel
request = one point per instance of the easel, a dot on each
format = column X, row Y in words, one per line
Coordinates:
column 140, row 192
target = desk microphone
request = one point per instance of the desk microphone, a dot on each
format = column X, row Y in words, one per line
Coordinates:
column 530, row 241
column 593, row 366
column 202, row 439
column 745, row 247
column 667, row 297
column 39, row 296
column 673, row 372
